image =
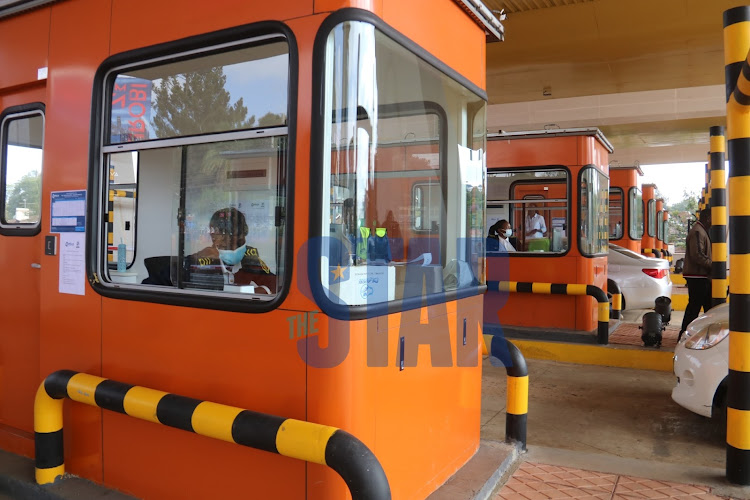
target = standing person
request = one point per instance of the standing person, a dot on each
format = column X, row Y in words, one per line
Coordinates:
column 697, row 269
column 535, row 226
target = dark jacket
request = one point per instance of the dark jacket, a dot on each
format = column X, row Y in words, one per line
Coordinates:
column 697, row 252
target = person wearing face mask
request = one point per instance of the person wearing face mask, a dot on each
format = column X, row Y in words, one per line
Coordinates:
column 505, row 232
column 229, row 253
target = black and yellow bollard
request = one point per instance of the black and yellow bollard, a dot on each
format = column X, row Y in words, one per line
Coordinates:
column 517, row 393
column 718, row 231
column 737, row 69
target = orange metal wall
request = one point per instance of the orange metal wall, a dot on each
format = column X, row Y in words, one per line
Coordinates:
column 238, row 359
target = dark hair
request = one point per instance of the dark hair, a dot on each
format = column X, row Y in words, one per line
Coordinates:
column 229, row 221
column 495, row 228
column 705, row 214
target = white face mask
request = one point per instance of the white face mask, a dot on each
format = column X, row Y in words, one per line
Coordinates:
column 508, row 232
column 232, row 257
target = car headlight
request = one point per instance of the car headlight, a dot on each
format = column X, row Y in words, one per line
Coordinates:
column 708, row 336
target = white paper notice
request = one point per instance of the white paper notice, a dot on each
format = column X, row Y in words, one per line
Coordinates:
column 72, row 263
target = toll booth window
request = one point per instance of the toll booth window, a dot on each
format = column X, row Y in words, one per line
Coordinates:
column 651, row 214
column 535, row 203
column 635, row 213
column 403, row 174
column 616, row 213
column 660, row 225
column 194, row 172
column 593, row 220
column 665, row 230
column 22, row 132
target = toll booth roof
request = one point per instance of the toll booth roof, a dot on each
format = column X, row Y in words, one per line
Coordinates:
column 557, row 132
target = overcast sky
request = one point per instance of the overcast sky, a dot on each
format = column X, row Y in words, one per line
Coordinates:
column 674, row 178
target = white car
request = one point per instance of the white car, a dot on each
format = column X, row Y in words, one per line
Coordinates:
column 641, row 279
column 701, row 364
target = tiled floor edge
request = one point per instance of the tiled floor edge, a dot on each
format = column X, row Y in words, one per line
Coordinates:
column 501, row 475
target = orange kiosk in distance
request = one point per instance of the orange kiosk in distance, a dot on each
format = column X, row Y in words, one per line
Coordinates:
column 649, row 241
column 625, row 207
column 553, row 188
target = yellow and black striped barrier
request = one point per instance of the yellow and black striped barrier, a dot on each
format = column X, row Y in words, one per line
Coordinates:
column 718, row 230
column 320, row 444
column 616, row 292
column 653, row 251
column 737, row 71
column 517, row 393
column 602, row 336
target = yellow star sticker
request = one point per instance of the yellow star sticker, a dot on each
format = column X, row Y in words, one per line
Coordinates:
column 338, row 273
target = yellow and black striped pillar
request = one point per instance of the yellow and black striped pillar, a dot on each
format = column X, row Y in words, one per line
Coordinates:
column 517, row 393
column 718, row 231
column 602, row 331
column 320, row 444
column 113, row 193
column 736, row 47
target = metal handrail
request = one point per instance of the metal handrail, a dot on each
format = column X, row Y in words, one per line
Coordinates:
column 308, row 441
column 602, row 334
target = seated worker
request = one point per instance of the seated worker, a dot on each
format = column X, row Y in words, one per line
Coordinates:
column 230, row 255
column 493, row 239
column 505, row 232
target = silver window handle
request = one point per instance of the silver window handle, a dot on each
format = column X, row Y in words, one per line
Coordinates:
column 36, row 266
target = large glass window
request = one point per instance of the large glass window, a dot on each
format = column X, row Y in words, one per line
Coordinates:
column 402, row 171
column 594, row 208
column 22, row 136
column 635, row 213
column 616, row 213
column 651, row 214
column 665, row 230
column 194, row 171
column 660, row 225
column 535, row 204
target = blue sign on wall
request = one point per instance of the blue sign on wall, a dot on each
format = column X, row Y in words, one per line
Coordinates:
column 68, row 211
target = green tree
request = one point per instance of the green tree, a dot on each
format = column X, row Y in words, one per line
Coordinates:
column 26, row 193
column 197, row 102
column 680, row 214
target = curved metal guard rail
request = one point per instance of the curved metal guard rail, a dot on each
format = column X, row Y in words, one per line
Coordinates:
column 602, row 331
column 311, row 442
column 517, row 394
column 656, row 252
column 616, row 298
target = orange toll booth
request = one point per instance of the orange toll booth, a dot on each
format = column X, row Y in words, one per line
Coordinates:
column 553, row 188
column 242, row 206
column 625, row 207
column 649, row 241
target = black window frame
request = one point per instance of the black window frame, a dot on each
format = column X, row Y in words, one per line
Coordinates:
column 651, row 209
column 317, row 148
column 631, row 215
column 206, row 44
column 11, row 113
column 624, row 202
column 579, row 206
